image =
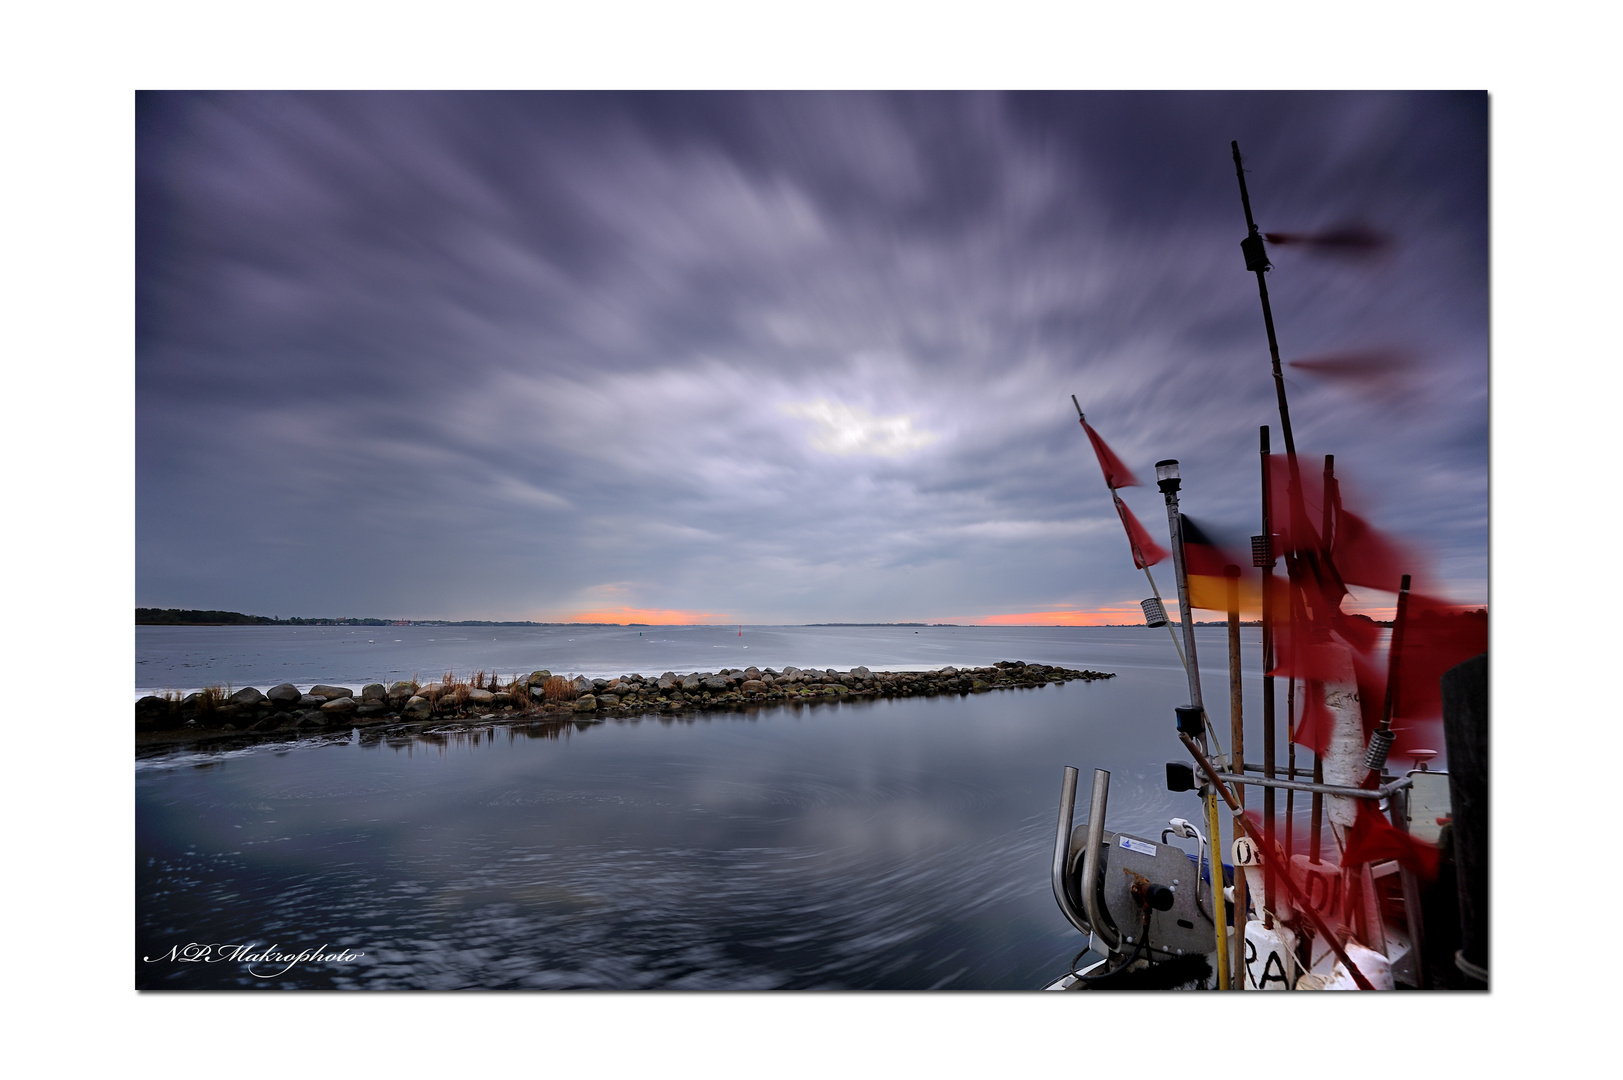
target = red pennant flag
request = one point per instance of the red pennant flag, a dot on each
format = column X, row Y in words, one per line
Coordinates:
column 1363, row 556
column 1375, row 839
column 1314, row 728
column 1117, row 475
column 1146, row 552
column 1436, row 636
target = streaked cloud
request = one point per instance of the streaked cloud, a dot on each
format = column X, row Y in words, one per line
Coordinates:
column 842, row 429
column 788, row 357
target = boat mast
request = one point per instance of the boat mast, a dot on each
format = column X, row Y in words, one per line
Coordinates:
column 1256, row 259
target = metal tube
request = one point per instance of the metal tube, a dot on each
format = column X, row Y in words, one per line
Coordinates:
column 1253, row 767
column 1091, row 854
column 1062, row 850
column 1322, row 789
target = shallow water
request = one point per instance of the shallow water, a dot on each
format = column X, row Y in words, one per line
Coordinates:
column 889, row 844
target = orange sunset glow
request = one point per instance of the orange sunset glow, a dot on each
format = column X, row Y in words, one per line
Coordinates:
column 651, row 616
column 1106, row 616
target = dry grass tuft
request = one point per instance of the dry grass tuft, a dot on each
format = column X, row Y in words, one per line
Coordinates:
column 558, row 690
column 212, row 697
column 456, row 688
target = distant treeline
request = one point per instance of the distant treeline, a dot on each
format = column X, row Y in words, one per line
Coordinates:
column 146, row 616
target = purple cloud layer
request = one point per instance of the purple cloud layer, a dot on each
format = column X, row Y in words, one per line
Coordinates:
column 790, row 357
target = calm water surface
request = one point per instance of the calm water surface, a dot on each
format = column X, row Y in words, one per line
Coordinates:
column 893, row 844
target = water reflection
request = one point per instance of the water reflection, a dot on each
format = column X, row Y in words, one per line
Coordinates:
column 899, row 844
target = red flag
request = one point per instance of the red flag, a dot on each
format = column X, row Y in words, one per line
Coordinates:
column 1314, row 728
column 1436, row 636
column 1363, row 556
column 1146, row 552
column 1375, row 839
column 1117, row 475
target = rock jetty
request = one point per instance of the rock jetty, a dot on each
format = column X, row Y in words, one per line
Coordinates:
column 543, row 695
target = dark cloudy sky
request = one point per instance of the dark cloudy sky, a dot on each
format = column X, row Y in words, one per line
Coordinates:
column 779, row 357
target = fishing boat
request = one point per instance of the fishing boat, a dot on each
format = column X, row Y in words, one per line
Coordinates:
column 1389, row 888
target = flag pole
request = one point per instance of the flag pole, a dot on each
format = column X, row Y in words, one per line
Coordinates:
column 1166, row 478
column 1237, row 741
column 1317, row 828
column 1138, row 556
column 1265, row 558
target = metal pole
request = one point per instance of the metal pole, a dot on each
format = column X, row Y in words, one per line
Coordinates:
column 1256, row 259
column 1268, row 734
column 1317, row 828
column 1166, row 478
column 1290, row 762
column 1237, row 743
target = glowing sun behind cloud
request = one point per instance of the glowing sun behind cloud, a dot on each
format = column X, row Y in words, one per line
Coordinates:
column 842, row 429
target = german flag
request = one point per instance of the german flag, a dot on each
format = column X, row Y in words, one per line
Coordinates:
column 1207, row 562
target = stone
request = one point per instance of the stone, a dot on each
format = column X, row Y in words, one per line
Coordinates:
column 608, row 700
column 481, row 697
column 756, row 686
column 372, row 708
column 691, row 682
column 247, row 696
column 715, row 684
column 284, row 695
column 753, row 672
column 373, row 692
column 339, row 705
column 950, row 672
column 331, row 693
column 417, row 707
column 432, row 691
column 310, row 701
column 981, row 686
column 586, row 703
column 539, row 677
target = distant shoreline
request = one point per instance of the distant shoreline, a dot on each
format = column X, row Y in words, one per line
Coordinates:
column 195, row 617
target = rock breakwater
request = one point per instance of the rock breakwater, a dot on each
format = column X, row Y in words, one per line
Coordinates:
column 543, row 695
